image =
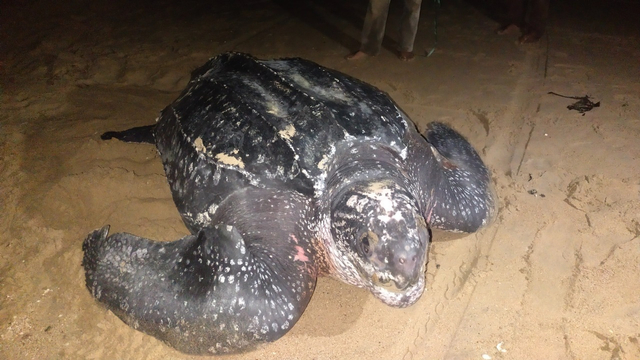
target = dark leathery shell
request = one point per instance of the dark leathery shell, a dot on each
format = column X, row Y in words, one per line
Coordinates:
column 268, row 123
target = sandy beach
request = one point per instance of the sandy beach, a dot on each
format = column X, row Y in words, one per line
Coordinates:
column 555, row 276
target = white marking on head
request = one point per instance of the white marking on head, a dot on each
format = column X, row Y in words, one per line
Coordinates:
column 322, row 164
column 398, row 216
column 381, row 192
column 352, row 201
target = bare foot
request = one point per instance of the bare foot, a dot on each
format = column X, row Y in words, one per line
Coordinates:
column 406, row 55
column 530, row 37
column 507, row 29
column 357, row 55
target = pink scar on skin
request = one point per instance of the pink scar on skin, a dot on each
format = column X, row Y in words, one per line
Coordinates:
column 294, row 238
column 431, row 212
column 300, row 255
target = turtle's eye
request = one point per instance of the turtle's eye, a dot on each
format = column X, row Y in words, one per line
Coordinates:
column 367, row 241
column 364, row 244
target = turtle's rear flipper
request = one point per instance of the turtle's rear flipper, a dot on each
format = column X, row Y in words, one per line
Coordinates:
column 215, row 292
column 141, row 134
column 456, row 183
column 205, row 294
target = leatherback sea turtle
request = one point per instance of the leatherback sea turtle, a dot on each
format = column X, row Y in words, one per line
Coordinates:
column 283, row 170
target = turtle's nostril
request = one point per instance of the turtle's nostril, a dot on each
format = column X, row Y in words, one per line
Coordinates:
column 407, row 260
column 406, row 265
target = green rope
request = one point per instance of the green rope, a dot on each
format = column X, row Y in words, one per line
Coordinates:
column 436, row 3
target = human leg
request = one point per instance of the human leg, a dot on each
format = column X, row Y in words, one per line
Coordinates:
column 409, row 26
column 536, row 20
column 374, row 25
column 514, row 17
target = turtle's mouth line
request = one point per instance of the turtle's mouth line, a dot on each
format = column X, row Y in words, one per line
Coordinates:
column 395, row 284
column 391, row 283
column 392, row 296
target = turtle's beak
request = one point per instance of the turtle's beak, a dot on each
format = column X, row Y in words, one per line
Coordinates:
column 391, row 284
column 401, row 263
column 408, row 268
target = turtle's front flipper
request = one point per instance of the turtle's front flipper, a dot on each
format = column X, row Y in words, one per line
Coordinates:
column 141, row 134
column 454, row 182
column 214, row 292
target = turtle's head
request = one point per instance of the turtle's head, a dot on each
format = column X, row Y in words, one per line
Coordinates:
column 378, row 225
